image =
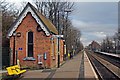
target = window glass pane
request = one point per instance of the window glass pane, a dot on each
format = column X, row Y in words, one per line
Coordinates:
column 30, row 44
column 30, row 50
column 30, row 37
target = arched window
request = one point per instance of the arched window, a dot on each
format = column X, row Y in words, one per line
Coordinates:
column 30, row 44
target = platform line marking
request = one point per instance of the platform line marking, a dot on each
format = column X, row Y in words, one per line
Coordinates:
column 81, row 74
column 91, row 65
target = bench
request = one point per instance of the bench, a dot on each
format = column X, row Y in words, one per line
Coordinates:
column 15, row 70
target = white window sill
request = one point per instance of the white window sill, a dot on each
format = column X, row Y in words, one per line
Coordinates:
column 29, row 59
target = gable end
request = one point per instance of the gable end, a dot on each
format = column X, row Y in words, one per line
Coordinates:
column 22, row 16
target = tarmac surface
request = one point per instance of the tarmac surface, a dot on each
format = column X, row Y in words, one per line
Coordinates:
column 78, row 67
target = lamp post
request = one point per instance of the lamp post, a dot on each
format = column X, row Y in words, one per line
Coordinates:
column 67, row 10
column 113, row 46
column 58, row 43
column 65, row 31
column 14, row 34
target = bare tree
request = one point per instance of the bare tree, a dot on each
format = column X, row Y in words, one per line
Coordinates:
column 53, row 10
column 9, row 14
column 108, row 44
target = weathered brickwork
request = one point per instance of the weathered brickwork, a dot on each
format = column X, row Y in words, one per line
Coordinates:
column 42, row 44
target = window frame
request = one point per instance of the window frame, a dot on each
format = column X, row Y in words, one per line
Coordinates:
column 27, row 44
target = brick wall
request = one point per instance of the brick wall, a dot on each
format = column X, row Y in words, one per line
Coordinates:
column 42, row 44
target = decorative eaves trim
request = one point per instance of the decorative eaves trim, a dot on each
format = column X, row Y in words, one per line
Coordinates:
column 28, row 9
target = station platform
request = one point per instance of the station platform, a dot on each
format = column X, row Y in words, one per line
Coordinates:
column 72, row 68
column 89, row 70
column 77, row 67
column 111, row 54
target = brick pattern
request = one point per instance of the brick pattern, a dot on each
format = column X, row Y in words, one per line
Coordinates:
column 42, row 43
column 95, row 46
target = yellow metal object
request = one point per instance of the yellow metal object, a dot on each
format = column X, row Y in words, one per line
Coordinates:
column 14, row 70
column 69, row 55
column 9, row 70
column 17, row 68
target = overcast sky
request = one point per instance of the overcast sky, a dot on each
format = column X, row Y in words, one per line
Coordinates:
column 96, row 19
column 68, row 0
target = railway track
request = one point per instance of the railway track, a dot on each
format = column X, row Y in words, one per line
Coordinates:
column 104, row 69
column 112, row 60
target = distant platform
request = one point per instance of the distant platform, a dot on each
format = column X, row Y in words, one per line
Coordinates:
column 110, row 54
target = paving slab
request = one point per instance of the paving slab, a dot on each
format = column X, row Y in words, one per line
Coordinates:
column 89, row 70
column 66, row 74
column 36, row 74
column 70, row 69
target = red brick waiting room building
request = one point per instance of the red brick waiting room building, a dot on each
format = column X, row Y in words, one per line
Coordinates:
column 34, row 39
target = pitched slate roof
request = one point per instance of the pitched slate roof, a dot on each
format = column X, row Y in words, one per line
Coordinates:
column 46, row 22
